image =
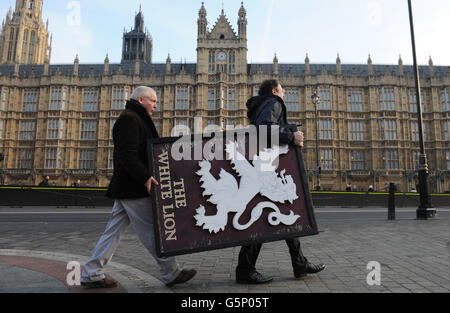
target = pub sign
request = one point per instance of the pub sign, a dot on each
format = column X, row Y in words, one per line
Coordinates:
column 220, row 194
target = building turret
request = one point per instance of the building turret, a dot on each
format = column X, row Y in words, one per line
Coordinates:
column 400, row 66
column 307, row 65
column 76, row 64
column 370, row 66
column 242, row 22
column 137, row 44
column 24, row 38
column 430, row 67
column 202, row 22
column 168, row 65
column 338, row 65
column 275, row 65
column 106, row 65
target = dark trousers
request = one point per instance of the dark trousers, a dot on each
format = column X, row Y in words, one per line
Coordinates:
column 249, row 254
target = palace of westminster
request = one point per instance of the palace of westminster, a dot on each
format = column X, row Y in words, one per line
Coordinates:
column 57, row 120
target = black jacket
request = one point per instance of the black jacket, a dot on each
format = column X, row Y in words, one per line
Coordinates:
column 131, row 161
column 271, row 110
column 44, row 183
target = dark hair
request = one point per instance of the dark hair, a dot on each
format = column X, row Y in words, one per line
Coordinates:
column 267, row 86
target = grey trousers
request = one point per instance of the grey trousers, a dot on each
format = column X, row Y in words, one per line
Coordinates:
column 139, row 213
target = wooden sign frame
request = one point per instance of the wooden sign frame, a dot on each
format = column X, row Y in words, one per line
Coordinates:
column 180, row 203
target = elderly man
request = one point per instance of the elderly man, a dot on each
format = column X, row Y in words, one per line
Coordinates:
column 130, row 186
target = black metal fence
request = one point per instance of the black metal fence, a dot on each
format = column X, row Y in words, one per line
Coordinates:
column 95, row 197
column 53, row 196
column 365, row 199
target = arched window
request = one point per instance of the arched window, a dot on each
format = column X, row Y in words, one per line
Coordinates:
column 212, row 62
column 11, row 45
column 232, row 62
column 25, row 46
column 31, row 5
column 31, row 53
column 15, row 45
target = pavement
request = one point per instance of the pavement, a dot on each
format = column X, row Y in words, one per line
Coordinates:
column 413, row 256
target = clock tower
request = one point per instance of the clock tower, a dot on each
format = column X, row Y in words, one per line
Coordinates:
column 221, row 49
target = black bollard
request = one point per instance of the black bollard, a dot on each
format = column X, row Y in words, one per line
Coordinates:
column 391, row 203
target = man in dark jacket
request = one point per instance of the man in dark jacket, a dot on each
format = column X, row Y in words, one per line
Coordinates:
column 130, row 186
column 269, row 109
column 45, row 182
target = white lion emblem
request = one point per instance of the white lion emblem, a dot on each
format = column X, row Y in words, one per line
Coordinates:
column 261, row 177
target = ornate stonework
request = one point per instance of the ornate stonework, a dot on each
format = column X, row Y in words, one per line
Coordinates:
column 24, row 38
column 56, row 120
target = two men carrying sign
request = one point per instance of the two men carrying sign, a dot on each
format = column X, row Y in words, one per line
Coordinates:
column 133, row 181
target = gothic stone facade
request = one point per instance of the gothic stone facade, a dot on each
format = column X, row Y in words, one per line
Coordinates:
column 24, row 39
column 57, row 120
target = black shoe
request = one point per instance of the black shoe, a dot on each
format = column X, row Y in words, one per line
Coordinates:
column 104, row 283
column 183, row 277
column 310, row 269
column 254, row 278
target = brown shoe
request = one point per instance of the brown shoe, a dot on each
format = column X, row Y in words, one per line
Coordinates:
column 183, row 277
column 104, row 283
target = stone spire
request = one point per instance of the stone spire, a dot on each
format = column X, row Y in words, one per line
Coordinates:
column 168, row 65
column 370, row 66
column 76, row 64
column 242, row 22
column 430, row 67
column 30, row 44
column 400, row 66
column 275, row 65
column 338, row 65
column 307, row 65
column 202, row 22
column 106, row 65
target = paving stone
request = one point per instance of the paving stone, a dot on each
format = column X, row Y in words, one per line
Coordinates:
column 411, row 253
column 399, row 290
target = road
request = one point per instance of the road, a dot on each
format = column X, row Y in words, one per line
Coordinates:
column 72, row 216
column 413, row 255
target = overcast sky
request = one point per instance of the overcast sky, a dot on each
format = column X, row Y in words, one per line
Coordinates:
column 290, row 28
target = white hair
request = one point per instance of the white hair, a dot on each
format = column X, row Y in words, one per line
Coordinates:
column 141, row 91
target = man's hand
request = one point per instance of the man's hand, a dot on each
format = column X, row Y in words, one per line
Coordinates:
column 149, row 183
column 298, row 139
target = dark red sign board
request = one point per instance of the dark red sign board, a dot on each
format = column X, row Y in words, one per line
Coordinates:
column 198, row 207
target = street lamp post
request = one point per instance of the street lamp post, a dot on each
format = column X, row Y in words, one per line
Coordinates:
column 425, row 209
column 315, row 99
